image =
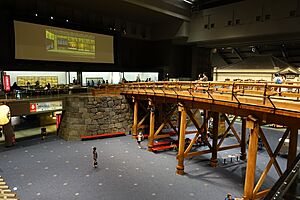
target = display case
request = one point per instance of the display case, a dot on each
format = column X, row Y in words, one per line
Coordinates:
column 43, row 80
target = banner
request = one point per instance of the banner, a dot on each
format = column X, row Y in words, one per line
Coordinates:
column 6, row 83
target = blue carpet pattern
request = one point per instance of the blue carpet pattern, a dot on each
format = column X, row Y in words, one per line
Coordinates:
column 55, row 169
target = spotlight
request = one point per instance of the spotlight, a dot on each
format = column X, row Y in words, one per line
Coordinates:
column 67, row 20
column 36, row 14
column 51, row 17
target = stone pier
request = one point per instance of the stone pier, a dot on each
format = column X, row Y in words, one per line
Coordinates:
column 90, row 115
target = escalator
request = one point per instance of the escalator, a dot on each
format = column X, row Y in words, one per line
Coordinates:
column 288, row 185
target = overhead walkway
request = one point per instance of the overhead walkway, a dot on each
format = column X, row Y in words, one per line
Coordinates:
column 256, row 103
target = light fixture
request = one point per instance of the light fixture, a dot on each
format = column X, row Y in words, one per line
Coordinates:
column 189, row 2
column 51, row 17
column 36, row 14
column 67, row 20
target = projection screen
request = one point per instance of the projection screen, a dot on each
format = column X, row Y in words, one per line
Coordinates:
column 39, row 42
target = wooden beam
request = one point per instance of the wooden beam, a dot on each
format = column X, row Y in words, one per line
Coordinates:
column 165, row 121
column 151, row 131
column 252, row 154
column 135, row 119
column 199, row 153
column 261, row 194
column 230, row 126
column 180, row 156
column 269, row 151
column 243, row 139
column 142, row 120
column 214, row 155
column 292, row 147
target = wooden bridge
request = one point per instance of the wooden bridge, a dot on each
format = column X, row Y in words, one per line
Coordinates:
column 256, row 103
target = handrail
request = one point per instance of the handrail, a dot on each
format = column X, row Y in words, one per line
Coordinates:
column 272, row 96
column 284, row 182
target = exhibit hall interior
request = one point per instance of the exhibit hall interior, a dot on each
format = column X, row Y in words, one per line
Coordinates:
column 150, row 99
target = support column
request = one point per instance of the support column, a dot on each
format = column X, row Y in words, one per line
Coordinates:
column 205, row 121
column 152, row 126
column 135, row 119
column 180, row 156
column 215, row 131
column 292, row 147
column 253, row 124
column 243, row 139
column 178, row 123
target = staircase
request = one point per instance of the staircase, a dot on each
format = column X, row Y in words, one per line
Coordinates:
column 5, row 192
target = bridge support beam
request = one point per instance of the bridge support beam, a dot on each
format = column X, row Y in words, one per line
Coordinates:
column 180, row 156
column 152, row 126
column 243, row 139
column 292, row 147
column 135, row 118
column 214, row 155
column 204, row 136
column 253, row 124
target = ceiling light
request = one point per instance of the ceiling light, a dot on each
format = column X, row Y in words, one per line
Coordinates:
column 51, row 17
column 67, row 20
column 36, row 14
column 189, row 2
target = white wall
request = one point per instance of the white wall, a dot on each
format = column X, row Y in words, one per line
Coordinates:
column 131, row 76
column 104, row 75
column 14, row 74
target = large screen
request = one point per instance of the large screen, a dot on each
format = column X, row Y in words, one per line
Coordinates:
column 39, row 42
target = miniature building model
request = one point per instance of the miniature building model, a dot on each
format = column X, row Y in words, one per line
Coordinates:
column 261, row 67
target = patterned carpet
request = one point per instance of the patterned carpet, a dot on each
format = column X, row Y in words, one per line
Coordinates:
column 56, row 169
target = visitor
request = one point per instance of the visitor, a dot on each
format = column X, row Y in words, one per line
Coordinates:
column 277, row 79
column 229, row 197
column 138, row 79
column 203, row 77
column 140, row 138
column 95, row 157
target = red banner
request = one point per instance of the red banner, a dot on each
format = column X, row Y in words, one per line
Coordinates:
column 32, row 107
column 6, row 83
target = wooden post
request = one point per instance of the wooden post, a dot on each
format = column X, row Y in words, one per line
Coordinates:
column 215, row 131
column 292, row 147
column 135, row 119
column 253, row 124
column 151, row 131
column 243, row 139
column 205, row 121
column 180, row 156
column 178, row 123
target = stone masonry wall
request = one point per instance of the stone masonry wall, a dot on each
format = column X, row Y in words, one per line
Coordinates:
column 89, row 115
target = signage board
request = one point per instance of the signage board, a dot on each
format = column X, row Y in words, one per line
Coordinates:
column 45, row 106
column 6, row 83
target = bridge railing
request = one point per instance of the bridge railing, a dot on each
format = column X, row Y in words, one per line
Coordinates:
column 277, row 96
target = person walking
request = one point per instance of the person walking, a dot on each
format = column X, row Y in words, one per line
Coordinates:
column 95, row 157
column 140, row 138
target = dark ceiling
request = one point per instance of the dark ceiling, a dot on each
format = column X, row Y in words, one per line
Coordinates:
column 140, row 11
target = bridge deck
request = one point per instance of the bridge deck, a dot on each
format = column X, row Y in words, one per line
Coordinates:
column 281, row 99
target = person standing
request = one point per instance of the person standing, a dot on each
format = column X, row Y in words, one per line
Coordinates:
column 229, row 197
column 140, row 138
column 203, row 77
column 95, row 157
column 277, row 79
